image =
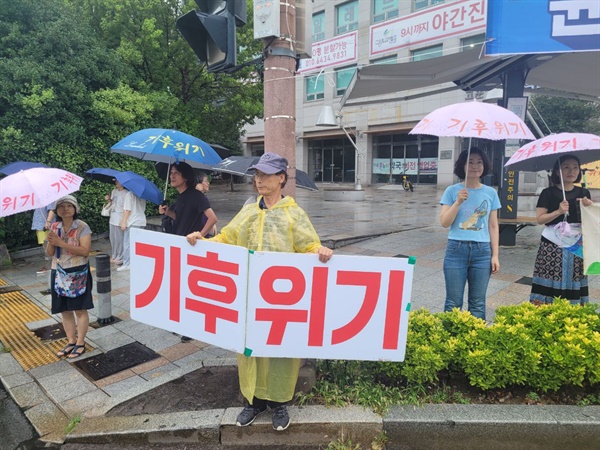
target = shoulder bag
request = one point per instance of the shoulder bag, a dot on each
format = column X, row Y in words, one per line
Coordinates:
column 106, row 210
column 71, row 282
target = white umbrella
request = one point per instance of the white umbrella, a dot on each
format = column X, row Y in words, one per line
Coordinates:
column 543, row 153
column 473, row 120
column 35, row 188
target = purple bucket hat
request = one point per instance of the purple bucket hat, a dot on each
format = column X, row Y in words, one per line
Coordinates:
column 271, row 163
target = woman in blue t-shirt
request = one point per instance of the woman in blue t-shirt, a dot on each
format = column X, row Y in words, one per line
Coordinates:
column 470, row 209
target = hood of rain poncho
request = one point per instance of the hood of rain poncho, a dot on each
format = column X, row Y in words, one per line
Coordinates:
column 283, row 228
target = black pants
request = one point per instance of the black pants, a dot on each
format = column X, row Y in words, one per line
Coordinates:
column 262, row 404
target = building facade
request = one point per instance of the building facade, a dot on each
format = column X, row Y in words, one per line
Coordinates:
column 350, row 34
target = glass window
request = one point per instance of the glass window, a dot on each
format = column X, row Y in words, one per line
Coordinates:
column 346, row 17
column 387, row 60
column 420, row 4
column 318, row 26
column 470, row 42
column 384, row 10
column 427, row 53
column 315, row 88
column 342, row 79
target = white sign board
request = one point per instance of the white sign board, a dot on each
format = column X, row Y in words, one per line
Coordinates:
column 285, row 305
column 333, row 52
column 195, row 291
column 427, row 26
column 353, row 307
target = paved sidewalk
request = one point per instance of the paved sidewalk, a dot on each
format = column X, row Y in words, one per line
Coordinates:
column 390, row 222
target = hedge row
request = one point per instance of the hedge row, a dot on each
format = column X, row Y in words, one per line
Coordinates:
column 543, row 347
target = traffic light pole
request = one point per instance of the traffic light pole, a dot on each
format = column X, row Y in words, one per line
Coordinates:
column 280, row 93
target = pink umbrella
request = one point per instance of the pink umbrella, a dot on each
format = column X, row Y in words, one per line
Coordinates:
column 35, row 188
column 543, row 153
column 473, row 120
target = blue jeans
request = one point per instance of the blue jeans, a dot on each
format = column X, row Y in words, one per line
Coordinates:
column 467, row 261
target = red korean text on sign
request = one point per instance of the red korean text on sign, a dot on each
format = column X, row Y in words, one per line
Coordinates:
column 208, row 265
column 281, row 314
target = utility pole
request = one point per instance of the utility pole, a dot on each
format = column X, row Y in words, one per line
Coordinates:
column 280, row 91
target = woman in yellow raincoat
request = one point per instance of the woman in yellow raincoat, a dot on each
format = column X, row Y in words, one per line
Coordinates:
column 273, row 223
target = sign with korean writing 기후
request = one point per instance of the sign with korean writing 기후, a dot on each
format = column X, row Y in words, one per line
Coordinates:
column 272, row 304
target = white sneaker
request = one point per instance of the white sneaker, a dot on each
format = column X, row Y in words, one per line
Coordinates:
column 122, row 268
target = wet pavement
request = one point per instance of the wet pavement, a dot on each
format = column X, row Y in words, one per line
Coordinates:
column 389, row 222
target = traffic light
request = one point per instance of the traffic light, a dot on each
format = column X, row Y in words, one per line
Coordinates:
column 210, row 31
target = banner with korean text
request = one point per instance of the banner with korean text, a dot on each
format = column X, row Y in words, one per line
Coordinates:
column 544, row 26
column 272, row 304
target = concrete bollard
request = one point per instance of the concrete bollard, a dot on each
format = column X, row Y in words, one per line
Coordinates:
column 103, row 287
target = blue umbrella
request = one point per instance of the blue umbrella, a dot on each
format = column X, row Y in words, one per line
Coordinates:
column 131, row 181
column 103, row 175
column 17, row 166
column 170, row 146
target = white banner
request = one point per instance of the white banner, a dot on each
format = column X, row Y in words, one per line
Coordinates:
column 286, row 305
column 408, row 166
column 337, row 51
column 428, row 26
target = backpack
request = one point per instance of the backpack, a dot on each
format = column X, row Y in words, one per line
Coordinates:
column 167, row 225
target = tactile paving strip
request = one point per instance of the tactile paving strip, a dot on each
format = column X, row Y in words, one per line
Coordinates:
column 28, row 349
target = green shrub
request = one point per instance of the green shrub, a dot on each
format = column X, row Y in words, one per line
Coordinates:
column 544, row 348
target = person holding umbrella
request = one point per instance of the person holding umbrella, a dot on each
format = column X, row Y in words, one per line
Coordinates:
column 116, row 234
column 134, row 215
column 558, row 269
column 69, row 242
column 190, row 206
column 470, row 209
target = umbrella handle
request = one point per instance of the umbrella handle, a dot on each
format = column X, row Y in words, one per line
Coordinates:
column 167, row 180
column 562, row 185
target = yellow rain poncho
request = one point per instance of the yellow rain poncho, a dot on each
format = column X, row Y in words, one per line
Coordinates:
column 283, row 228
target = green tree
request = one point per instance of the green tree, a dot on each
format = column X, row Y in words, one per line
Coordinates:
column 143, row 34
column 51, row 63
column 565, row 115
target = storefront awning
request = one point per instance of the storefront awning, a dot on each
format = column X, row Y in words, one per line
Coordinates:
column 576, row 74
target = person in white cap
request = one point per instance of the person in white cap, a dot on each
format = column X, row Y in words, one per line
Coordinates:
column 69, row 242
column 273, row 223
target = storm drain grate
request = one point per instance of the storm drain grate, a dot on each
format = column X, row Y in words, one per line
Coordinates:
column 117, row 360
column 527, row 281
column 50, row 333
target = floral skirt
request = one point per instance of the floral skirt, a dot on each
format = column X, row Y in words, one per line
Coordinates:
column 558, row 273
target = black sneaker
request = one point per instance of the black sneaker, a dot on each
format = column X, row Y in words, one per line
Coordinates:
column 248, row 414
column 281, row 418
column 185, row 338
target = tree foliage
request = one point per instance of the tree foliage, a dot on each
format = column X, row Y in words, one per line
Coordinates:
column 565, row 115
column 79, row 75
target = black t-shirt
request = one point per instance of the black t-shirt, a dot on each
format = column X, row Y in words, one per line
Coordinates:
column 551, row 197
column 189, row 209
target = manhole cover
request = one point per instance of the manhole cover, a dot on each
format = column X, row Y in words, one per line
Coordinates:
column 116, row 360
column 525, row 280
column 50, row 333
